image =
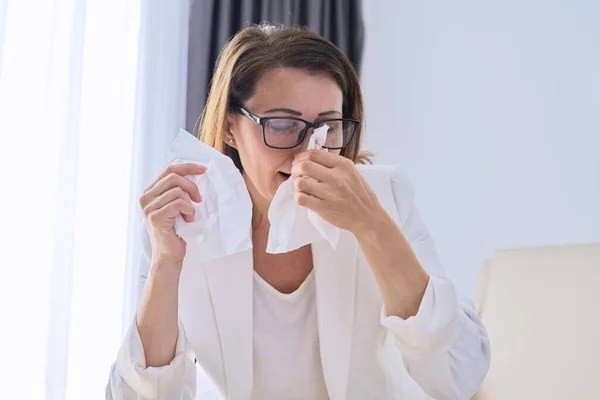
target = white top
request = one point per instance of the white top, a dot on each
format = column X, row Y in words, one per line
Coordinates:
column 287, row 361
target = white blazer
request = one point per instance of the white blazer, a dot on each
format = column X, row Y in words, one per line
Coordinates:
column 441, row 353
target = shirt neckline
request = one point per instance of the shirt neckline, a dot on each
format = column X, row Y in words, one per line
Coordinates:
column 286, row 296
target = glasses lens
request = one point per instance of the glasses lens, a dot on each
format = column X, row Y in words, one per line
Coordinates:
column 339, row 133
column 283, row 132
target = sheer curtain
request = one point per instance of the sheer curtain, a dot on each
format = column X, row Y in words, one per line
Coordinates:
column 91, row 92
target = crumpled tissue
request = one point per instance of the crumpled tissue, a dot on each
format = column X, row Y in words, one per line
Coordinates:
column 293, row 226
column 223, row 218
column 223, row 223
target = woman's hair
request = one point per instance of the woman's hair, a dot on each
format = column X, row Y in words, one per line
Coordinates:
column 257, row 49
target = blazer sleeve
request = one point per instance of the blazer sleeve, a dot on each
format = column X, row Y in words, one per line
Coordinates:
column 131, row 379
column 445, row 346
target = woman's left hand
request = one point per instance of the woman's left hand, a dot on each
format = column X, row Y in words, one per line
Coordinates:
column 337, row 192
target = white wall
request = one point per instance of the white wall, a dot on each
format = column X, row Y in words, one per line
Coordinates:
column 493, row 108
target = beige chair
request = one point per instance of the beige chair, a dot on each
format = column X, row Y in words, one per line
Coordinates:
column 541, row 307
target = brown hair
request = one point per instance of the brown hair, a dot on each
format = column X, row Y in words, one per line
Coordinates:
column 256, row 49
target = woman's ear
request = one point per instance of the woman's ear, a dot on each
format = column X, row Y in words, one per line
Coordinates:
column 228, row 136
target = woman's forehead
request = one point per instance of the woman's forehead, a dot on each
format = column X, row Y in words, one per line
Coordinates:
column 296, row 89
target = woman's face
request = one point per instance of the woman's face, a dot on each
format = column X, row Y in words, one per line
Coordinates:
column 302, row 95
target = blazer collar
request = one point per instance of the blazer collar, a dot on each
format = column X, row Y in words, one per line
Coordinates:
column 335, row 278
column 230, row 286
column 231, row 291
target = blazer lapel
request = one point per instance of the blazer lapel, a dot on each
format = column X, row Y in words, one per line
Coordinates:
column 335, row 273
column 230, row 285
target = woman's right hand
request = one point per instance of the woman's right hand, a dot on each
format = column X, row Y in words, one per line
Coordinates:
column 170, row 195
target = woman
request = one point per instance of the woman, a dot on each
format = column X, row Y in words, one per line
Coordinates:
column 373, row 319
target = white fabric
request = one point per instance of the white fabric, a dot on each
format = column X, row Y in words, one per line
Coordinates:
column 153, row 383
column 160, row 111
column 287, row 362
column 441, row 353
column 76, row 84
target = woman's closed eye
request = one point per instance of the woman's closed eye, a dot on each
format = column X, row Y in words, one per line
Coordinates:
column 282, row 126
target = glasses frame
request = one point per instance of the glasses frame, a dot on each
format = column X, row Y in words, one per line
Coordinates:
column 263, row 120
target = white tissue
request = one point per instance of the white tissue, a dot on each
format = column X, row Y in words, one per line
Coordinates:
column 317, row 140
column 223, row 217
column 293, row 226
column 222, row 225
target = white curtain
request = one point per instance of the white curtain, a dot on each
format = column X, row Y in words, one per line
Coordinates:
column 91, row 92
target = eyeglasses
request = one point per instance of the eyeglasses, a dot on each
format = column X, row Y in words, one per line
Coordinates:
column 289, row 132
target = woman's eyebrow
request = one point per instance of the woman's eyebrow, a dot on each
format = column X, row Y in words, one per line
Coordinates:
column 285, row 110
column 329, row 113
column 298, row 113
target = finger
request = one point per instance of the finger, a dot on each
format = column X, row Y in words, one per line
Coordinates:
column 189, row 217
column 325, row 158
column 165, row 198
column 171, row 210
column 168, row 182
column 311, row 187
column 308, row 201
column 307, row 167
column 179, row 169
